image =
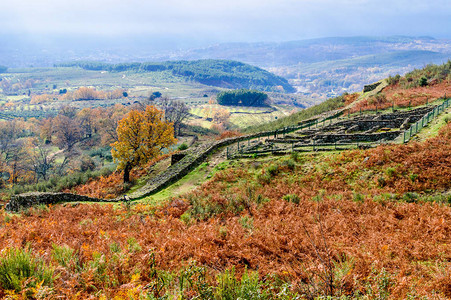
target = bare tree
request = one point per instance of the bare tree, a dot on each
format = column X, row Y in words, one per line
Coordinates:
column 8, row 134
column 86, row 120
column 107, row 120
column 175, row 111
column 39, row 160
column 13, row 160
column 67, row 132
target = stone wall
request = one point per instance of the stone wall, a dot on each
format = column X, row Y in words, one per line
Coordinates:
column 176, row 157
column 365, row 125
column 357, row 137
column 405, row 114
column 391, row 120
column 194, row 157
column 26, row 200
column 190, row 159
column 181, row 167
column 370, row 87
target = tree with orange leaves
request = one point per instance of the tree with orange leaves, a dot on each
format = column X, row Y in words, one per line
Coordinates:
column 141, row 137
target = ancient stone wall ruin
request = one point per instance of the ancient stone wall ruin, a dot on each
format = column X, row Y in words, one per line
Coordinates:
column 22, row 201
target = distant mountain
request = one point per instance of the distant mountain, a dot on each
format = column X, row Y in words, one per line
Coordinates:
column 315, row 50
column 220, row 73
column 331, row 78
column 390, row 59
column 317, row 68
column 327, row 67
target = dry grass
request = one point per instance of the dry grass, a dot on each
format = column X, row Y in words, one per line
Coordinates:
column 342, row 212
column 401, row 97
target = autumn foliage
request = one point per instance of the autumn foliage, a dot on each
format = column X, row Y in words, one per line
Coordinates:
column 229, row 134
column 399, row 97
column 350, row 98
column 311, row 215
column 110, row 186
column 104, row 187
column 82, row 93
column 141, row 137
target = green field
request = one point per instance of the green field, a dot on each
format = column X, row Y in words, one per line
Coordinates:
column 241, row 117
column 139, row 84
column 25, row 83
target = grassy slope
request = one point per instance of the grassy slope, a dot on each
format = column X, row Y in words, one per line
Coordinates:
column 328, row 105
column 372, row 208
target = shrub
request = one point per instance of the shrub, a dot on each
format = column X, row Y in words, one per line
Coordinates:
column 186, row 217
column 295, row 156
column 393, row 80
column 381, row 182
column 273, row 169
column 182, row 147
column 65, row 256
column 423, row 81
column 115, row 247
column 413, row 177
column 357, row 197
column 289, row 163
column 247, row 222
column 18, row 267
column 410, row 197
column 229, row 134
column 292, row 198
column 250, row 287
column 133, row 245
column 390, row 171
column 87, row 163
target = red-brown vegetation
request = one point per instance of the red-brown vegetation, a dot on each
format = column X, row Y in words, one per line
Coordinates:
column 344, row 207
column 409, row 241
column 110, row 187
column 401, row 97
column 350, row 98
column 229, row 134
column 82, row 93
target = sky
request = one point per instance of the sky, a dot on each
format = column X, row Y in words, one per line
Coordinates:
column 226, row 20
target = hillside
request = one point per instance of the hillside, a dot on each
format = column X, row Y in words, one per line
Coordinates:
column 318, row 68
column 373, row 223
column 332, row 202
column 352, row 74
column 316, row 50
column 220, row 73
column 327, row 67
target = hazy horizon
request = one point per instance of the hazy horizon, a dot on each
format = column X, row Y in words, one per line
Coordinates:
column 206, row 22
column 40, row 33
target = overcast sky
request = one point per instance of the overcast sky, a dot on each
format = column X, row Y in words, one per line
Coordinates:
column 228, row 20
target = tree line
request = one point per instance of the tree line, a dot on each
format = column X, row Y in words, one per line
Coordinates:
column 75, row 141
column 242, row 97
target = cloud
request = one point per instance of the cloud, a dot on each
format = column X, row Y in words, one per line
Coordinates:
column 228, row 20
